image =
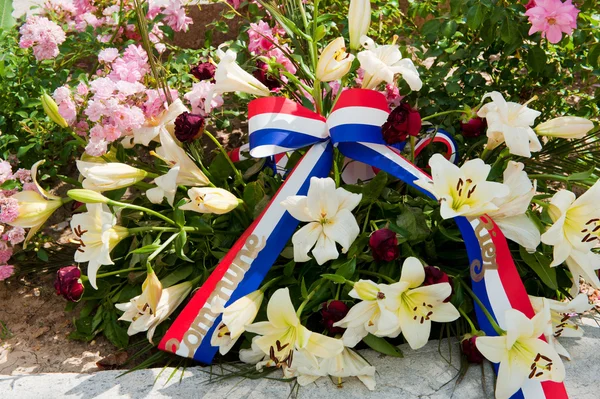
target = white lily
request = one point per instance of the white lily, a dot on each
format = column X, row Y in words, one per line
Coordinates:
column 97, row 234
column 283, row 333
column 235, row 318
column 346, row 364
column 521, row 354
column 210, row 200
column 382, row 63
column 109, row 176
column 328, row 211
column 35, row 207
column 566, row 127
column 576, row 230
column 151, row 293
column 368, row 316
column 229, row 76
column 170, row 152
column 559, row 314
column 166, row 187
column 462, row 191
column 511, row 123
column 416, row 306
column 511, row 213
column 334, row 62
column 153, row 126
column 359, row 19
column 142, row 319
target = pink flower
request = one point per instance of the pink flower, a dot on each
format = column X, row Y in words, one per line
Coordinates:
column 5, row 171
column 24, row 175
column 260, row 38
column 6, row 271
column 175, row 16
column 43, row 35
column 392, row 94
column 66, row 106
column 16, row 235
column 552, row 18
column 96, row 148
column 155, row 102
column 282, row 58
column 235, row 3
column 108, row 55
column 198, row 95
column 9, row 210
column 30, row 187
column 5, row 252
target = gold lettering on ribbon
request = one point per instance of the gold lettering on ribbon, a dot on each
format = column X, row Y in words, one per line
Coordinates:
column 484, row 231
column 223, row 290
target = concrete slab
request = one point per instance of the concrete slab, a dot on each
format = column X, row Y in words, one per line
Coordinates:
column 429, row 373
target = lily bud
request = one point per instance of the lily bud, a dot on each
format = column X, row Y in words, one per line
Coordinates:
column 334, row 62
column 210, row 200
column 68, row 283
column 109, row 176
column 87, row 196
column 366, row 290
column 151, row 293
column 566, row 127
column 359, row 19
column 51, row 109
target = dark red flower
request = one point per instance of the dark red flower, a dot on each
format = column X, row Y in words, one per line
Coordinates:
column 474, row 127
column 384, row 245
column 262, row 74
column 68, row 283
column 434, row 275
column 204, row 71
column 188, row 127
column 530, row 4
column 402, row 122
column 76, row 205
column 332, row 312
column 469, row 348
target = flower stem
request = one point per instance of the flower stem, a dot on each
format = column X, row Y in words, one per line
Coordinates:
column 468, row 319
column 490, row 318
column 308, row 298
column 136, row 230
column 270, row 283
column 550, row 177
column 162, row 247
column 134, row 269
column 143, row 209
column 220, row 147
column 462, row 111
column 375, row 274
column 412, row 148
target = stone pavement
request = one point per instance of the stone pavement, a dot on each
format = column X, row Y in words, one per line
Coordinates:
column 428, row 373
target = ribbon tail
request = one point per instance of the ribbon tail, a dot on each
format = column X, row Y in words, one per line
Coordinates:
column 495, row 279
column 247, row 263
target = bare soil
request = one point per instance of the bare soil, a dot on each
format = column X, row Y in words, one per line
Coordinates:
column 34, row 332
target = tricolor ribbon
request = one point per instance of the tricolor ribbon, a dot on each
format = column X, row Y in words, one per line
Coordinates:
column 278, row 125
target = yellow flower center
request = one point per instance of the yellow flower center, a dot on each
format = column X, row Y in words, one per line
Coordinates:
column 591, row 230
column 463, row 193
column 421, row 310
column 340, row 54
column 551, row 21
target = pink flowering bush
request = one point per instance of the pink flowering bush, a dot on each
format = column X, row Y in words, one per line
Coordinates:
column 552, row 18
column 43, row 35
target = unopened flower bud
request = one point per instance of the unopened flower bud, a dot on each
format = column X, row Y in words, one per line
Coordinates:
column 204, row 71
column 51, row 109
column 332, row 312
column 434, row 275
column 566, row 127
column 468, row 347
column 87, row 196
column 188, row 127
column 402, row 122
column 384, row 245
column 68, row 283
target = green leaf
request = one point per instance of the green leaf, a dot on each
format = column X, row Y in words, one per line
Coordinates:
column 42, row 255
column 6, row 19
column 594, row 56
column 382, row 346
column 541, row 266
column 536, row 59
column 581, row 176
column 347, row 268
column 336, row 278
column 373, row 189
column 475, row 16
column 253, row 193
column 182, row 272
column 146, row 249
column 113, row 331
column 180, row 242
column 449, row 28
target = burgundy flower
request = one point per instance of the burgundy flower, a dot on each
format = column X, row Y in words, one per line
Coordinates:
column 474, row 127
column 384, row 245
column 434, row 275
column 469, row 348
column 333, row 311
column 76, row 205
column 402, row 122
column 68, row 283
column 188, row 127
column 262, row 74
column 530, row 4
column 204, row 71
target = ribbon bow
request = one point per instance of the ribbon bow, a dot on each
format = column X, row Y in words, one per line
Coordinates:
column 278, row 125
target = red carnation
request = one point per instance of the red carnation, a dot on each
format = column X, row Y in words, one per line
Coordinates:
column 188, row 127
column 68, row 283
column 204, row 71
column 332, row 312
column 473, row 127
column 402, row 122
column 469, row 348
column 434, row 275
column 384, row 245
